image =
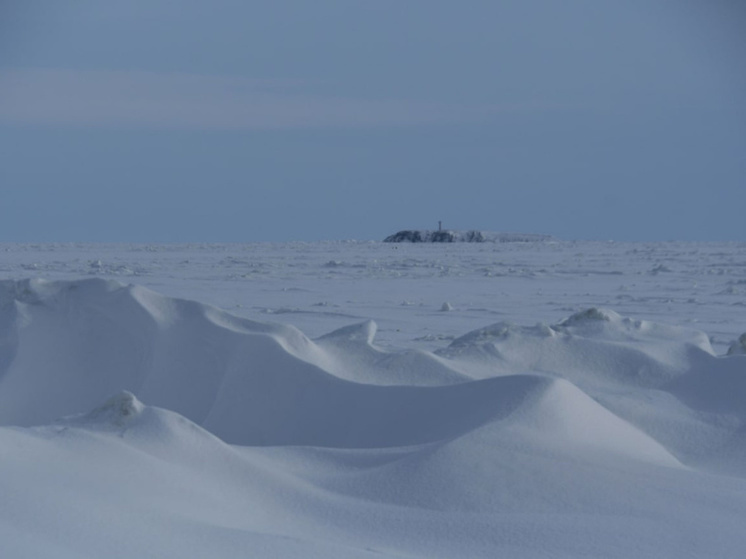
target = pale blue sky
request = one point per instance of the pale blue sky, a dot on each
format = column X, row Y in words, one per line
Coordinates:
column 155, row 120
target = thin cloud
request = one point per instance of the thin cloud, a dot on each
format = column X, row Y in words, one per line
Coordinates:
column 152, row 100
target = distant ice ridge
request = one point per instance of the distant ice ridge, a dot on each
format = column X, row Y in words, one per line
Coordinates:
column 450, row 236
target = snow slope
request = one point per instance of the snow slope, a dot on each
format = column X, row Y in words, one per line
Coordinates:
column 193, row 432
column 128, row 479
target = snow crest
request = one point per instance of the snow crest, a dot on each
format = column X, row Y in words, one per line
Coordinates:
column 117, row 411
column 595, row 422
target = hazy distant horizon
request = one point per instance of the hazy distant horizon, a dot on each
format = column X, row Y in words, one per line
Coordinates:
column 234, row 122
column 291, row 240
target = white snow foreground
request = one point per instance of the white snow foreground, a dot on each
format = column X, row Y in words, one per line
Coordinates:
column 600, row 436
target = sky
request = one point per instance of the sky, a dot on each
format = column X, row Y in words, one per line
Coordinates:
column 234, row 121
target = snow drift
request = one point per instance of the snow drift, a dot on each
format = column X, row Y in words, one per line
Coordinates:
column 530, row 441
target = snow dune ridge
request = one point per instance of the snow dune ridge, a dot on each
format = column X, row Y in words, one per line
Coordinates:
column 67, row 346
column 232, row 435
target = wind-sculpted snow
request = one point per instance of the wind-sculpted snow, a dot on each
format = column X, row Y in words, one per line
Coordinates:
column 598, row 435
column 70, row 345
column 590, row 347
column 322, row 286
column 694, row 400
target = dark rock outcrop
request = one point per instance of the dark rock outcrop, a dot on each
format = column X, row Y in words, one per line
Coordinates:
column 440, row 236
column 450, row 236
column 405, row 237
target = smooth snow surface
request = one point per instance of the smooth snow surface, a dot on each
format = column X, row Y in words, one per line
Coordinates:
column 135, row 423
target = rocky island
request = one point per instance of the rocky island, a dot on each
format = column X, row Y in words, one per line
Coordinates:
column 450, row 236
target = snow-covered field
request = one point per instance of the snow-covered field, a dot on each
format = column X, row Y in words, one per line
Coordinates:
column 360, row 399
